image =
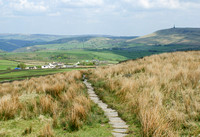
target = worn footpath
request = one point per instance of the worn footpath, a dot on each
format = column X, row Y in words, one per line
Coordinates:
column 119, row 126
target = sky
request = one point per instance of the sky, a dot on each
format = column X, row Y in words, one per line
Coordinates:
column 108, row 17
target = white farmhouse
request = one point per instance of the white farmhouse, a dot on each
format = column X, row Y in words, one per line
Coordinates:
column 45, row 67
column 51, row 65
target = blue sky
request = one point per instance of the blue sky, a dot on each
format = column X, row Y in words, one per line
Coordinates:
column 111, row 17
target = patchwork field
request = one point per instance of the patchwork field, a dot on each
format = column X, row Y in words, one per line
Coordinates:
column 70, row 56
column 5, row 64
column 73, row 56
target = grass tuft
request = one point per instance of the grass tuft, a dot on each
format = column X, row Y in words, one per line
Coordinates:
column 47, row 131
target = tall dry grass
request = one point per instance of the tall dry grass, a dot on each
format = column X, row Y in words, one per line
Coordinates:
column 163, row 90
column 9, row 106
column 61, row 97
column 47, row 131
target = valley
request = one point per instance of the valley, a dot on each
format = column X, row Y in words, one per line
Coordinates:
column 61, row 48
column 150, row 83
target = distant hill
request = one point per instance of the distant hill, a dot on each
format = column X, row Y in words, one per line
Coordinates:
column 84, row 38
column 172, row 36
column 167, row 40
column 11, row 42
column 79, row 42
column 32, row 37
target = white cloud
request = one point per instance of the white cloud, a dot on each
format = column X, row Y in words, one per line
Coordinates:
column 90, row 8
column 145, row 3
column 92, row 2
column 83, row 2
column 22, row 5
column 168, row 4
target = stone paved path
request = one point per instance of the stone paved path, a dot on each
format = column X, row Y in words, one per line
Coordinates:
column 119, row 126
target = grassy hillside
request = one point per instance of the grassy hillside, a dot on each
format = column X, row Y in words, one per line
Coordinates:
column 70, row 56
column 13, row 44
column 110, row 48
column 19, row 42
column 95, row 43
column 81, row 42
column 10, row 42
column 168, row 40
column 157, row 95
column 173, row 36
column 55, row 105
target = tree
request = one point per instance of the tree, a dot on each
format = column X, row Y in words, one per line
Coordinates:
column 21, row 65
column 39, row 67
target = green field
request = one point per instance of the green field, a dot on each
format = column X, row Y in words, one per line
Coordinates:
column 69, row 56
column 24, row 74
column 4, row 64
column 72, row 56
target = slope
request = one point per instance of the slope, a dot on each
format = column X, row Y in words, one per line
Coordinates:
column 79, row 42
column 13, row 44
column 173, row 36
column 10, row 42
column 156, row 95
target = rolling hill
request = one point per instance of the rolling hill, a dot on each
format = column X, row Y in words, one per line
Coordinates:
column 123, row 48
column 172, row 36
column 35, row 42
column 168, row 39
column 32, row 37
column 173, row 39
column 79, row 42
column 11, row 42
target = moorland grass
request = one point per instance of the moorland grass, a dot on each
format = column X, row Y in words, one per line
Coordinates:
column 54, row 105
column 162, row 91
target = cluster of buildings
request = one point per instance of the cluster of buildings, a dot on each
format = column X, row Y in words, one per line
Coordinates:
column 55, row 65
column 62, row 65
